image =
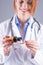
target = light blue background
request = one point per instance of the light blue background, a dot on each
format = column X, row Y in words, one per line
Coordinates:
column 7, row 10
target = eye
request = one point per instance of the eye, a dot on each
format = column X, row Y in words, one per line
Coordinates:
column 30, row 2
column 21, row 1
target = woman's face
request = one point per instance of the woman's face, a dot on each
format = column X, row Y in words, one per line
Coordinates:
column 24, row 8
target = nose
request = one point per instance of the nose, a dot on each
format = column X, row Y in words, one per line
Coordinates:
column 24, row 5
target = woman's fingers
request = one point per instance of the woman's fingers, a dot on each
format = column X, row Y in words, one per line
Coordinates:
column 33, row 46
column 7, row 41
column 7, row 44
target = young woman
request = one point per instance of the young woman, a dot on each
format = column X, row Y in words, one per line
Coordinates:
column 22, row 25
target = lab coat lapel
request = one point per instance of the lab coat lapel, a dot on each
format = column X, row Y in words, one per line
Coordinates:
column 15, row 29
column 29, row 31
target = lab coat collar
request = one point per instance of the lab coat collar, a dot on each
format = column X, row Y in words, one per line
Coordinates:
column 30, row 21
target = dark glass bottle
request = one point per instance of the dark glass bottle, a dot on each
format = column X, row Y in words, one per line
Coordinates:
column 15, row 39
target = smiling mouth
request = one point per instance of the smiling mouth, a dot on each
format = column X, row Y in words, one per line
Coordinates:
column 23, row 11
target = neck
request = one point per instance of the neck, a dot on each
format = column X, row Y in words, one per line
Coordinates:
column 22, row 27
column 22, row 30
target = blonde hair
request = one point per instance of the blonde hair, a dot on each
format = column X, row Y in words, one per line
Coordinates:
column 33, row 7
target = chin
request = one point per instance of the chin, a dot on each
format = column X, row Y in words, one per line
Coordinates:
column 24, row 17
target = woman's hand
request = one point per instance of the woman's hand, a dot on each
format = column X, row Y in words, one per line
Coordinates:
column 33, row 46
column 7, row 42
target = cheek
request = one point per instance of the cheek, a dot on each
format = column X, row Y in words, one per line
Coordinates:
column 19, row 6
column 29, row 9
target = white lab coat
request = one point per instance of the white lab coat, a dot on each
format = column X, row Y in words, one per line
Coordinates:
column 21, row 55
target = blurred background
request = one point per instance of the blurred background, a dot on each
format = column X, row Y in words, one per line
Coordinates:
column 7, row 10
